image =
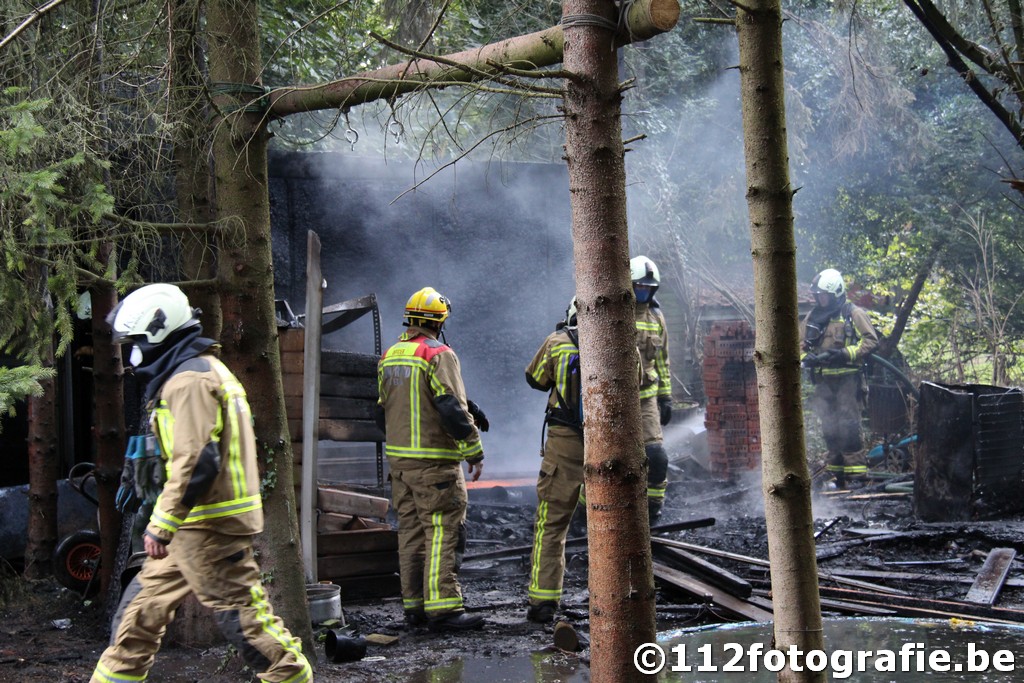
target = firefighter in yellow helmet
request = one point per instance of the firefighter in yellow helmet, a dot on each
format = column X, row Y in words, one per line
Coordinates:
column 656, row 386
column 199, row 536
column 431, row 429
column 835, row 340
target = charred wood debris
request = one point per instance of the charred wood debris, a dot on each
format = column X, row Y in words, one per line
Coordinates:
column 874, row 558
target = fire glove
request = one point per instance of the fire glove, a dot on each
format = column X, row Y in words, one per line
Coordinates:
column 665, row 407
column 125, row 500
column 478, row 416
column 834, row 358
column 149, row 470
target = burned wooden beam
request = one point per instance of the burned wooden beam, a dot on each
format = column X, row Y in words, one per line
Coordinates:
column 926, row 607
column 702, row 569
column 674, row 579
column 913, row 577
column 578, row 540
column 682, row 545
column 992, row 577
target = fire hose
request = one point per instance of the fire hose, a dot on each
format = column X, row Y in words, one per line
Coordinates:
column 903, row 379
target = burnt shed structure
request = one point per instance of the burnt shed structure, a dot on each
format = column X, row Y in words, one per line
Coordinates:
column 970, row 457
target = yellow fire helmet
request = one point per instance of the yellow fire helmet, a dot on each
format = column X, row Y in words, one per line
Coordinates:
column 427, row 305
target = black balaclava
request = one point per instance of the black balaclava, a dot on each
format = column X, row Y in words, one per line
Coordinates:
column 160, row 360
column 819, row 318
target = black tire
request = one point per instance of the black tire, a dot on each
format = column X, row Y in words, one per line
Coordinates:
column 76, row 561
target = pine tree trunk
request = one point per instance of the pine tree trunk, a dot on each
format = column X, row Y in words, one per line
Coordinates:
column 191, row 152
column 109, row 431
column 249, row 332
column 43, row 469
column 785, row 476
column 615, row 471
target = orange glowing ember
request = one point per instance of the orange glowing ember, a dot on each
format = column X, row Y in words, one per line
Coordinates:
column 507, row 483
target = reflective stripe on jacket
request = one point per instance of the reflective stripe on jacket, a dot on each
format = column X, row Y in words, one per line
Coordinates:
column 419, row 382
column 652, row 341
column 204, row 426
column 555, row 368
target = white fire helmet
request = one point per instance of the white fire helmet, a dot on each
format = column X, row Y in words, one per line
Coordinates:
column 642, row 271
column 570, row 314
column 151, row 313
column 828, row 281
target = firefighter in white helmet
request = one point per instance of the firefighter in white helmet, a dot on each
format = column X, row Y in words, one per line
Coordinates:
column 656, row 387
column 199, row 536
column 431, row 429
column 835, row 340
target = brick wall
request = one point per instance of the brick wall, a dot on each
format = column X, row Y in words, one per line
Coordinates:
column 730, row 384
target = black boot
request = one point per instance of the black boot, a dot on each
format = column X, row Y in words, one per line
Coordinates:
column 456, row 621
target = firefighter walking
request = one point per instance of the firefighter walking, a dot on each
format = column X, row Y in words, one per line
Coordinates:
column 835, row 340
column 431, row 429
column 199, row 536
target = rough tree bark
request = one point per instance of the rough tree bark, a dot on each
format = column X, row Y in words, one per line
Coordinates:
column 785, row 476
column 615, row 468
column 247, row 299
column 191, row 160
column 43, row 468
column 109, row 431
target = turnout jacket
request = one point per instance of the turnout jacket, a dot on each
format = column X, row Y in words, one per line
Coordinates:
column 555, row 368
column 848, row 329
column 652, row 341
column 426, row 416
column 203, row 425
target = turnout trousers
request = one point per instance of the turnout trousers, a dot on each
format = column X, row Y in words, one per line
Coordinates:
column 657, row 458
column 430, row 501
column 558, row 491
column 222, row 573
column 839, row 402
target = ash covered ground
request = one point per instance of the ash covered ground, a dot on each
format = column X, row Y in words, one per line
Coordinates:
column 48, row 634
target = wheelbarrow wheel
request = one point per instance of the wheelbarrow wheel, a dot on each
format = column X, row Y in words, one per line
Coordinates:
column 76, row 561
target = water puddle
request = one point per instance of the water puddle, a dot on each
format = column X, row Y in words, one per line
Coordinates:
column 865, row 650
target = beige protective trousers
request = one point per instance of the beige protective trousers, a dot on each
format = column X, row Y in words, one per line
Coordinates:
column 558, row 492
column 222, row 573
column 430, row 501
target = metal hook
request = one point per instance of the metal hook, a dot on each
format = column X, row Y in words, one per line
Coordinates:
column 396, row 129
column 351, row 135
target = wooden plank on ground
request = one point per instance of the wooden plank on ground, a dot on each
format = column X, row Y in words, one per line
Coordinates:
column 331, row 499
column 855, row 608
column 675, row 579
column 907, row 605
column 580, row 540
column 704, row 570
column 992, row 577
column 912, row 577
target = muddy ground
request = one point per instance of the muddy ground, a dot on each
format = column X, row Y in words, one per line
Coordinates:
column 48, row 634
